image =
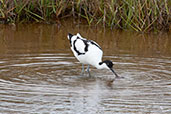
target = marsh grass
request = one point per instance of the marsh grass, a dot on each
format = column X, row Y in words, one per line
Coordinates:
column 139, row 15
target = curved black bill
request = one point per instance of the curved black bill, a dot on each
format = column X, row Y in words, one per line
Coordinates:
column 114, row 73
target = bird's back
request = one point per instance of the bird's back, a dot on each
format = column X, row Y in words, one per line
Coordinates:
column 94, row 55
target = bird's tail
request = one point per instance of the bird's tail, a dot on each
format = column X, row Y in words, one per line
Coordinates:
column 69, row 36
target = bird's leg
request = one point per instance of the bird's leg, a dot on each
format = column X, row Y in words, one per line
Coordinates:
column 88, row 67
column 82, row 71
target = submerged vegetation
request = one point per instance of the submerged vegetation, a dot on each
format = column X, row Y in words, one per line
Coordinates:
column 139, row 15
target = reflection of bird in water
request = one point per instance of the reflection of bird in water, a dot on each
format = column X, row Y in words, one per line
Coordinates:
column 89, row 52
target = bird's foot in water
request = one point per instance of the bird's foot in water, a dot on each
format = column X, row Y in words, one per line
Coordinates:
column 82, row 74
column 89, row 74
column 86, row 74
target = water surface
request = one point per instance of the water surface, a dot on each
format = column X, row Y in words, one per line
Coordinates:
column 38, row 73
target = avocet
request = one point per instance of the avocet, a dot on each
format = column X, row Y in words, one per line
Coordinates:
column 89, row 52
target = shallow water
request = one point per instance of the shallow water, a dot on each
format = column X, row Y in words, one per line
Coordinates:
column 38, row 73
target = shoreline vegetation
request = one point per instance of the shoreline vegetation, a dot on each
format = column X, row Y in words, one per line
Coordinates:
column 138, row 15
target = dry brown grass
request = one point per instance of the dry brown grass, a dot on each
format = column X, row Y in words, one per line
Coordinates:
column 139, row 15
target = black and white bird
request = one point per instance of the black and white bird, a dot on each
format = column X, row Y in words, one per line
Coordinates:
column 89, row 52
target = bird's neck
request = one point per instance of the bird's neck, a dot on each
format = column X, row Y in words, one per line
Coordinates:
column 102, row 66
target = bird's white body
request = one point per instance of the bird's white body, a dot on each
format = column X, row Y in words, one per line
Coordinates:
column 87, row 51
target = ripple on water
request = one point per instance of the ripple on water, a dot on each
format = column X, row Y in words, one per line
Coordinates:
column 43, row 83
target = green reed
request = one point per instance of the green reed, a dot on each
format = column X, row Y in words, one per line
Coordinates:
column 139, row 15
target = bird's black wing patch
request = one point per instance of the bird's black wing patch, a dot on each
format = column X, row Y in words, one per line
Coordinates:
column 79, row 53
column 94, row 43
column 86, row 45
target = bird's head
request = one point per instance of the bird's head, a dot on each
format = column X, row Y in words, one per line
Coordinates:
column 108, row 65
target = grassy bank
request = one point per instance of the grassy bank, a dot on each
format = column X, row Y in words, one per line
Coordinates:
column 139, row 15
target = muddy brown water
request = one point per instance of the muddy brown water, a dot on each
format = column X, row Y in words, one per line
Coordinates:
column 38, row 73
